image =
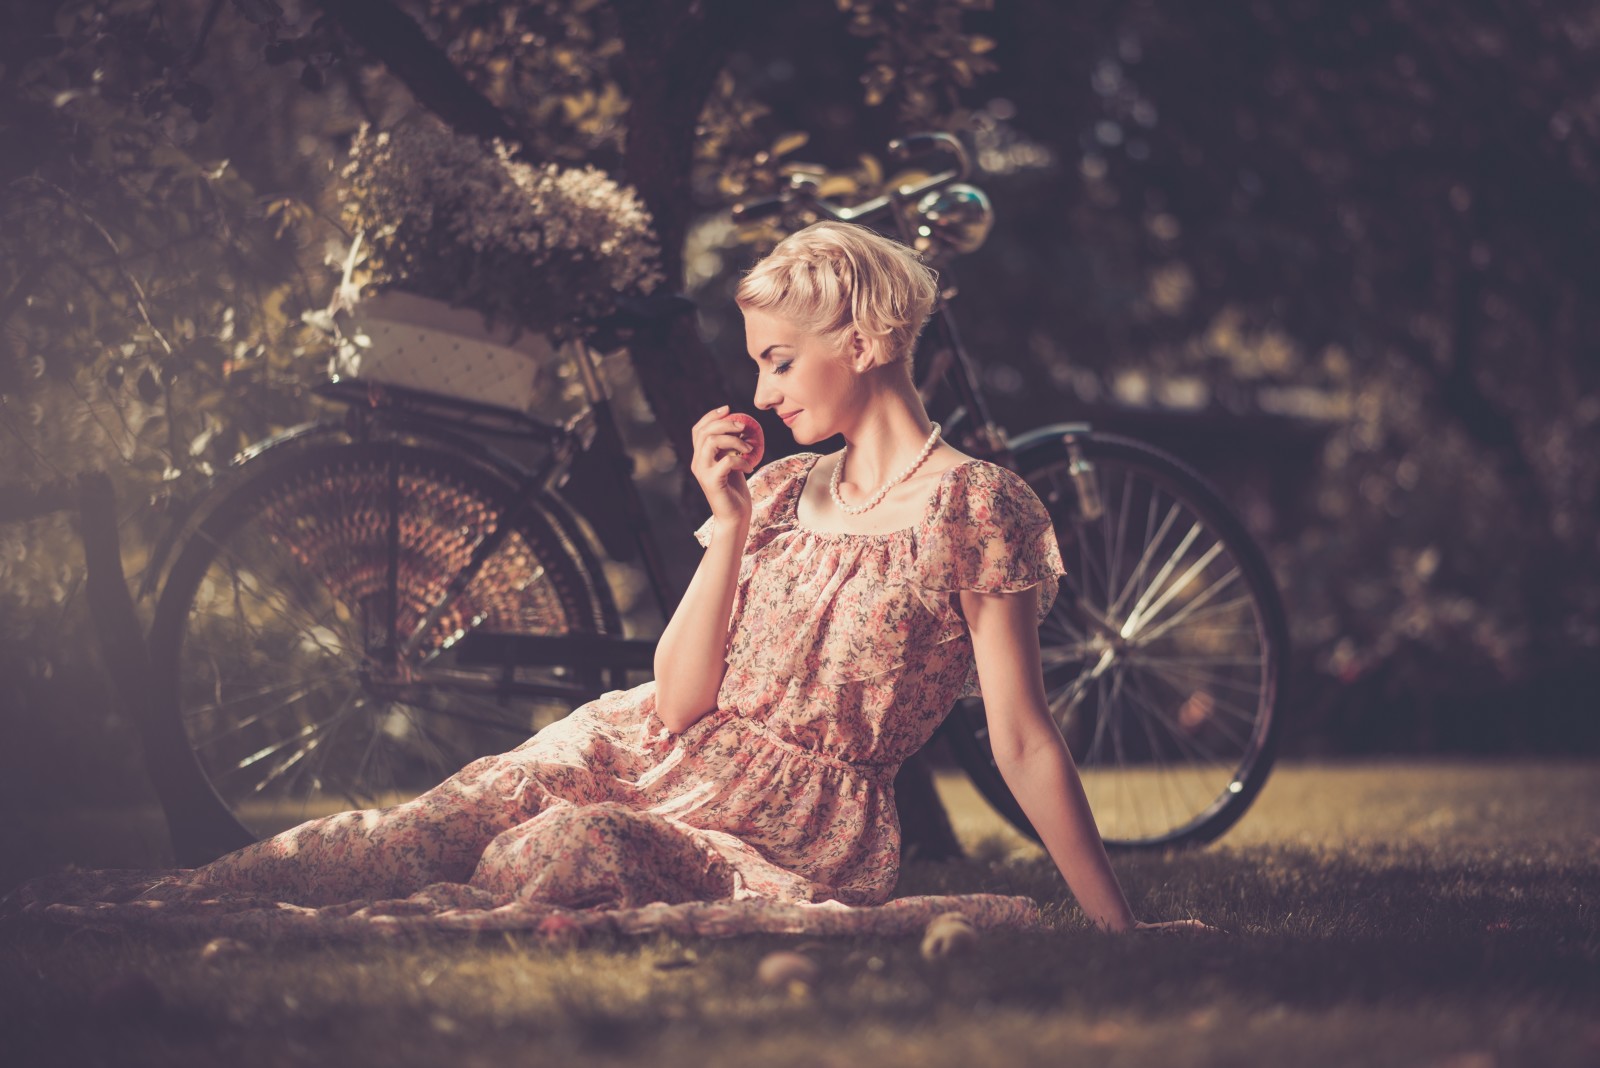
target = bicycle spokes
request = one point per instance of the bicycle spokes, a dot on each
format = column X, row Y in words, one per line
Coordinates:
column 281, row 633
column 1161, row 652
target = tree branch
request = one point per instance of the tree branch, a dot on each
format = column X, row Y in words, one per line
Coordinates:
column 198, row 49
column 392, row 36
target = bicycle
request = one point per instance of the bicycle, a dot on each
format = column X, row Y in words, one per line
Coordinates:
column 361, row 607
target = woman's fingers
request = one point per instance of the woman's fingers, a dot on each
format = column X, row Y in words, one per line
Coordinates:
column 713, row 448
column 719, row 440
column 726, row 432
column 712, row 414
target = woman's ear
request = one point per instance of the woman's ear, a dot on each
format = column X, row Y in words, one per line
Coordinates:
column 865, row 352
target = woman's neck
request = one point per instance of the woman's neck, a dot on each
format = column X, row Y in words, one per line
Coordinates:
column 886, row 442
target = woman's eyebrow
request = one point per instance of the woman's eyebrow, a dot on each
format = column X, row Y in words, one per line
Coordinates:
column 768, row 349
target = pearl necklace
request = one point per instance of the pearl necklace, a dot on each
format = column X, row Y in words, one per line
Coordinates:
column 838, row 469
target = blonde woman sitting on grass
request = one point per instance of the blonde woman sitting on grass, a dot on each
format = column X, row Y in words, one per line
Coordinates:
column 844, row 602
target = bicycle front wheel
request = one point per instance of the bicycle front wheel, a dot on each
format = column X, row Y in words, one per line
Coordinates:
column 1163, row 655
column 292, row 639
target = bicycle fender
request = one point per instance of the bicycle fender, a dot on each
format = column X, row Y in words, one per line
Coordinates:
column 1044, row 437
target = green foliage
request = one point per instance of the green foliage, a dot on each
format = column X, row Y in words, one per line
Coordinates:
column 149, row 295
column 551, row 63
column 922, row 55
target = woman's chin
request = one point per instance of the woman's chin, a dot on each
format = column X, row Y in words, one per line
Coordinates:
column 801, row 435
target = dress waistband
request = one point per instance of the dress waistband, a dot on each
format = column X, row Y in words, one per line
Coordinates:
column 876, row 771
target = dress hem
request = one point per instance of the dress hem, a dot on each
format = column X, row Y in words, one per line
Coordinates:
column 116, row 900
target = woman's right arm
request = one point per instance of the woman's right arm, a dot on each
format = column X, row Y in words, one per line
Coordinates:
column 690, row 656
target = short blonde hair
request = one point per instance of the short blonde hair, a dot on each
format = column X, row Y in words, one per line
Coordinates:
column 832, row 277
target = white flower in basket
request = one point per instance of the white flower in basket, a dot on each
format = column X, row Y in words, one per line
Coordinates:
column 477, row 266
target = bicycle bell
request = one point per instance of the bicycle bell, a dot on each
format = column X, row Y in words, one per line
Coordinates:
column 959, row 216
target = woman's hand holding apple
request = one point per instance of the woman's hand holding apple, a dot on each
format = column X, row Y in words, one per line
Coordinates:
column 726, row 443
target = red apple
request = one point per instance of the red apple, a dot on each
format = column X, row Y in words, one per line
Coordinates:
column 750, row 431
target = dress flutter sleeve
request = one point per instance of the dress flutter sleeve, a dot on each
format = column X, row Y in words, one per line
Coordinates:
column 703, row 534
column 991, row 533
column 765, row 486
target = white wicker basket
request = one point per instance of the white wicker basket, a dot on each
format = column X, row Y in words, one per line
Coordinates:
column 403, row 339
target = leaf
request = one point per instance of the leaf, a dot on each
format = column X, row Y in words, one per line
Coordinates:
column 838, row 185
column 872, row 171
column 789, row 142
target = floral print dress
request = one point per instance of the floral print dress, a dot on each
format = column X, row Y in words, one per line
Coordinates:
column 773, row 812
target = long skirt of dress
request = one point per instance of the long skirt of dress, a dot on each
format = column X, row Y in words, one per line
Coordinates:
column 554, row 839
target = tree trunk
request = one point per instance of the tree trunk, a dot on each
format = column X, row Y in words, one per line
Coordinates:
column 672, row 55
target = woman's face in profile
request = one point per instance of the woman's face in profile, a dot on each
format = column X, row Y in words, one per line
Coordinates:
column 800, row 375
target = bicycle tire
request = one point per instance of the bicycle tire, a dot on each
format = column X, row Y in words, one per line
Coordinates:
column 1163, row 660
column 270, row 648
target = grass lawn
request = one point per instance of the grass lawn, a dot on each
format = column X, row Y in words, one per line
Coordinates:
column 1378, row 913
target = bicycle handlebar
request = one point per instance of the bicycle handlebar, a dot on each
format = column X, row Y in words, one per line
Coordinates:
column 905, row 147
column 803, row 187
column 758, row 209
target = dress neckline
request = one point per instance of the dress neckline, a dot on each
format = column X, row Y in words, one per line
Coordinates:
column 927, row 511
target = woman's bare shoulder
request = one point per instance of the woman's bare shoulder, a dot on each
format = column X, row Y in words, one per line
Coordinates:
column 945, row 458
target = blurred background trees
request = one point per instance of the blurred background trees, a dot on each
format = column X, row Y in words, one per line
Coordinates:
column 1374, row 215
column 1337, row 253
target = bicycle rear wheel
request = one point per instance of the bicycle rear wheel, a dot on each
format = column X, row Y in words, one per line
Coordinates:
column 278, row 637
column 1162, row 657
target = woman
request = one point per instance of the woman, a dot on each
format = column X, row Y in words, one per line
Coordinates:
column 842, row 605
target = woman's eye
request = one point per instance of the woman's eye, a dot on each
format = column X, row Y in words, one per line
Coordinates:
column 782, row 367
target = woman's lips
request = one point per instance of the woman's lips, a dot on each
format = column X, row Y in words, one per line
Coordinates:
column 788, row 418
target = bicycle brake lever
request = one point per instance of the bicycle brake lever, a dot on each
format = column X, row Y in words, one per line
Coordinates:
column 902, row 148
column 757, row 209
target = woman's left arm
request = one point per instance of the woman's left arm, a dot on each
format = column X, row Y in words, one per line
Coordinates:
column 1033, row 758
